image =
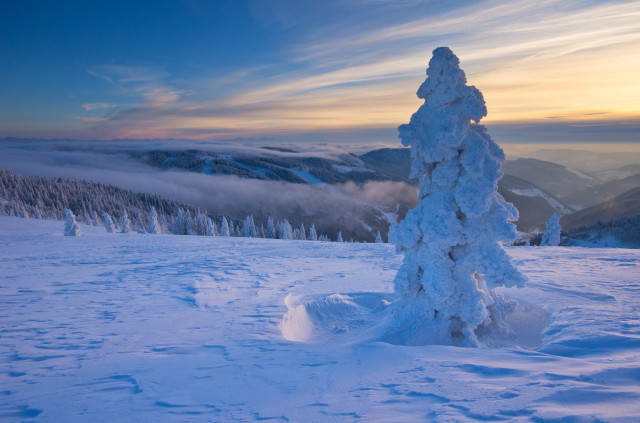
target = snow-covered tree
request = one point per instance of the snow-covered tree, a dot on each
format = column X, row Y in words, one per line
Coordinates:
column 87, row 218
column 200, row 223
column 379, row 238
column 551, row 235
column 108, row 223
column 189, row 224
column 285, row 230
column 453, row 257
column 313, row 235
column 178, row 225
column 211, row 229
column 37, row 213
column 249, row 228
column 95, row 221
column 70, row 225
column 23, row 212
column 224, row 228
column 339, row 238
column 125, row 225
column 270, row 232
column 154, row 226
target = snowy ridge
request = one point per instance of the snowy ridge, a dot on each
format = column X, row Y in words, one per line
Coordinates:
column 89, row 333
column 534, row 192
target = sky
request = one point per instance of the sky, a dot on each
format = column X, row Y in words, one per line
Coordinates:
column 551, row 71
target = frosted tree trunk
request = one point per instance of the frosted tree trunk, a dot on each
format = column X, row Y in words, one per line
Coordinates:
column 453, row 257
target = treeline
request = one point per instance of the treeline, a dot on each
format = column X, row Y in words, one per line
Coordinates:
column 121, row 210
column 625, row 230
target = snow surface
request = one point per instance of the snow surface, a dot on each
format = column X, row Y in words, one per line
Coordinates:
column 131, row 327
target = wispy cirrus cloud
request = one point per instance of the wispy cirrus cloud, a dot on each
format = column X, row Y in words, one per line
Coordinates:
column 97, row 106
column 532, row 60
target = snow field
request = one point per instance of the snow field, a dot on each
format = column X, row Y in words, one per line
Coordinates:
column 130, row 327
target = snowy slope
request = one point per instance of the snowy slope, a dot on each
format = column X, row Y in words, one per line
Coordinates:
column 112, row 327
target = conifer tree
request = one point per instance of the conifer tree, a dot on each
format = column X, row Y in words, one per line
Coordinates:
column 551, row 235
column 70, row 225
column 313, row 235
column 211, row 229
column 125, row 224
column 154, row 226
column 96, row 219
column 178, row 224
column 270, row 232
column 339, row 238
column 224, row 227
column 108, row 223
column 453, row 257
column 379, row 238
column 285, row 230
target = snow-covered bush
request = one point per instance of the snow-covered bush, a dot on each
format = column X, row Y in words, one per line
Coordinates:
column 70, row 225
column 453, row 257
column 551, row 235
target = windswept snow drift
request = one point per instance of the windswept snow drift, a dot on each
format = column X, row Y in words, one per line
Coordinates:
column 130, row 327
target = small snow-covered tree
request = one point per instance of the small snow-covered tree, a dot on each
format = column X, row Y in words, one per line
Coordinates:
column 453, row 257
column 70, row 225
column 37, row 213
column 108, row 223
column 248, row 228
column 270, row 232
column 23, row 212
column 339, row 238
column 285, row 231
column 87, row 218
column 178, row 226
column 125, row 224
column 224, row 227
column 154, row 226
column 551, row 235
column 189, row 224
column 201, row 223
column 95, row 220
column 379, row 238
column 313, row 235
column 211, row 230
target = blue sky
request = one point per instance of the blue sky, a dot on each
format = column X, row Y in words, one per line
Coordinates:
column 550, row 71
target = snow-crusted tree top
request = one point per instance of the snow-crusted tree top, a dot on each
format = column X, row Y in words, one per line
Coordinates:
column 450, row 105
column 446, row 84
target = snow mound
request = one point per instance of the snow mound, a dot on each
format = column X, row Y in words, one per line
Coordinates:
column 332, row 319
column 360, row 318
